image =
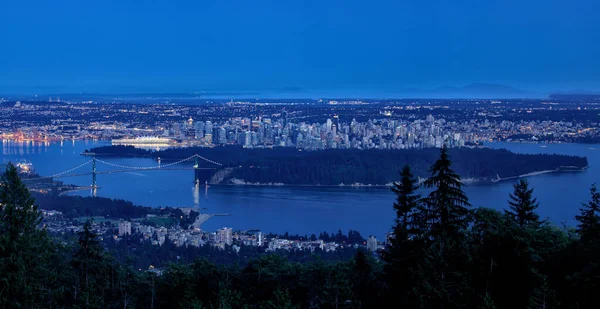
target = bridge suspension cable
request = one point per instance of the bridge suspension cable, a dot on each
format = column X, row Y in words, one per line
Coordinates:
column 157, row 166
column 207, row 160
column 125, row 167
column 61, row 173
column 68, row 171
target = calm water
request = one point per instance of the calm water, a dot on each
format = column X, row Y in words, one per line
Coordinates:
column 303, row 210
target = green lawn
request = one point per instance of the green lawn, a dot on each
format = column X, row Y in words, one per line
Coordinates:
column 160, row 221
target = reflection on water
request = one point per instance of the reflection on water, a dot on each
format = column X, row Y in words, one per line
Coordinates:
column 303, row 210
column 196, row 194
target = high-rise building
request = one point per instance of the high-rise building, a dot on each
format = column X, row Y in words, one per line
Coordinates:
column 225, row 235
column 284, row 117
column 175, row 129
column 429, row 118
column 124, row 228
column 231, row 137
column 247, row 139
column 268, row 133
column 208, row 128
column 190, row 130
column 300, row 140
column 222, row 136
column 372, row 243
column 335, row 126
column 199, row 128
column 261, row 133
column 255, row 125
column 254, row 138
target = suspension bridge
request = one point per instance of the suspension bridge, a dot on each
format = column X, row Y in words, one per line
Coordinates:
column 199, row 172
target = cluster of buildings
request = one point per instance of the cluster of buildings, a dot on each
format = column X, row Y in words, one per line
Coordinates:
column 306, row 127
column 385, row 133
column 379, row 134
column 226, row 237
column 331, row 134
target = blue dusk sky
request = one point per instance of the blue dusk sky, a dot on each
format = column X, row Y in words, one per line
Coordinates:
column 330, row 46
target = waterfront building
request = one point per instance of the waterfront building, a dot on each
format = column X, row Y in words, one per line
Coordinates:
column 225, row 236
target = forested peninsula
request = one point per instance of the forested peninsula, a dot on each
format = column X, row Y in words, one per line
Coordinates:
column 290, row 166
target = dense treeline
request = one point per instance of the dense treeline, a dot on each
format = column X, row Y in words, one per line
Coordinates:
column 140, row 255
column 442, row 253
column 78, row 206
column 353, row 237
column 350, row 166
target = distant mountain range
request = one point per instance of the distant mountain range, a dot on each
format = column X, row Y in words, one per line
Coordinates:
column 470, row 91
column 576, row 96
column 482, row 90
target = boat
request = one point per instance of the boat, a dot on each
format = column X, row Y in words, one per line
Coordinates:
column 146, row 140
column 25, row 167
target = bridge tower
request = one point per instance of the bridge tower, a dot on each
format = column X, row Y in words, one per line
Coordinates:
column 94, row 189
column 94, row 172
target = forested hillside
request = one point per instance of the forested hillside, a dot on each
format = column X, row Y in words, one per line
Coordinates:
column 351, row 166
column 442, row 253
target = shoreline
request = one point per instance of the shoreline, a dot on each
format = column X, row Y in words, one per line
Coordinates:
column 108, row 142
column 562, row 169
column 420, row 180
column 499, row 179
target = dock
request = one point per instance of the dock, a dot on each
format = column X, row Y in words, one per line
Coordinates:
column 204, row 217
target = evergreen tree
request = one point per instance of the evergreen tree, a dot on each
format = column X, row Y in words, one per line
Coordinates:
column 20, row 215
column 406, row 203
column 445, row 209
column 363, row 279
column 282, row 300
column 509, row 263
column 589, row 218
column 402, row 251
column 488, row 302
column 445, row 215
column 90, row 266
column 25, row 250
column 523, row 204
column 586, row 275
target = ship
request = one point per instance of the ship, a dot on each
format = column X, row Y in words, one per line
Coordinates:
column 146, row 142
column 25, row 168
